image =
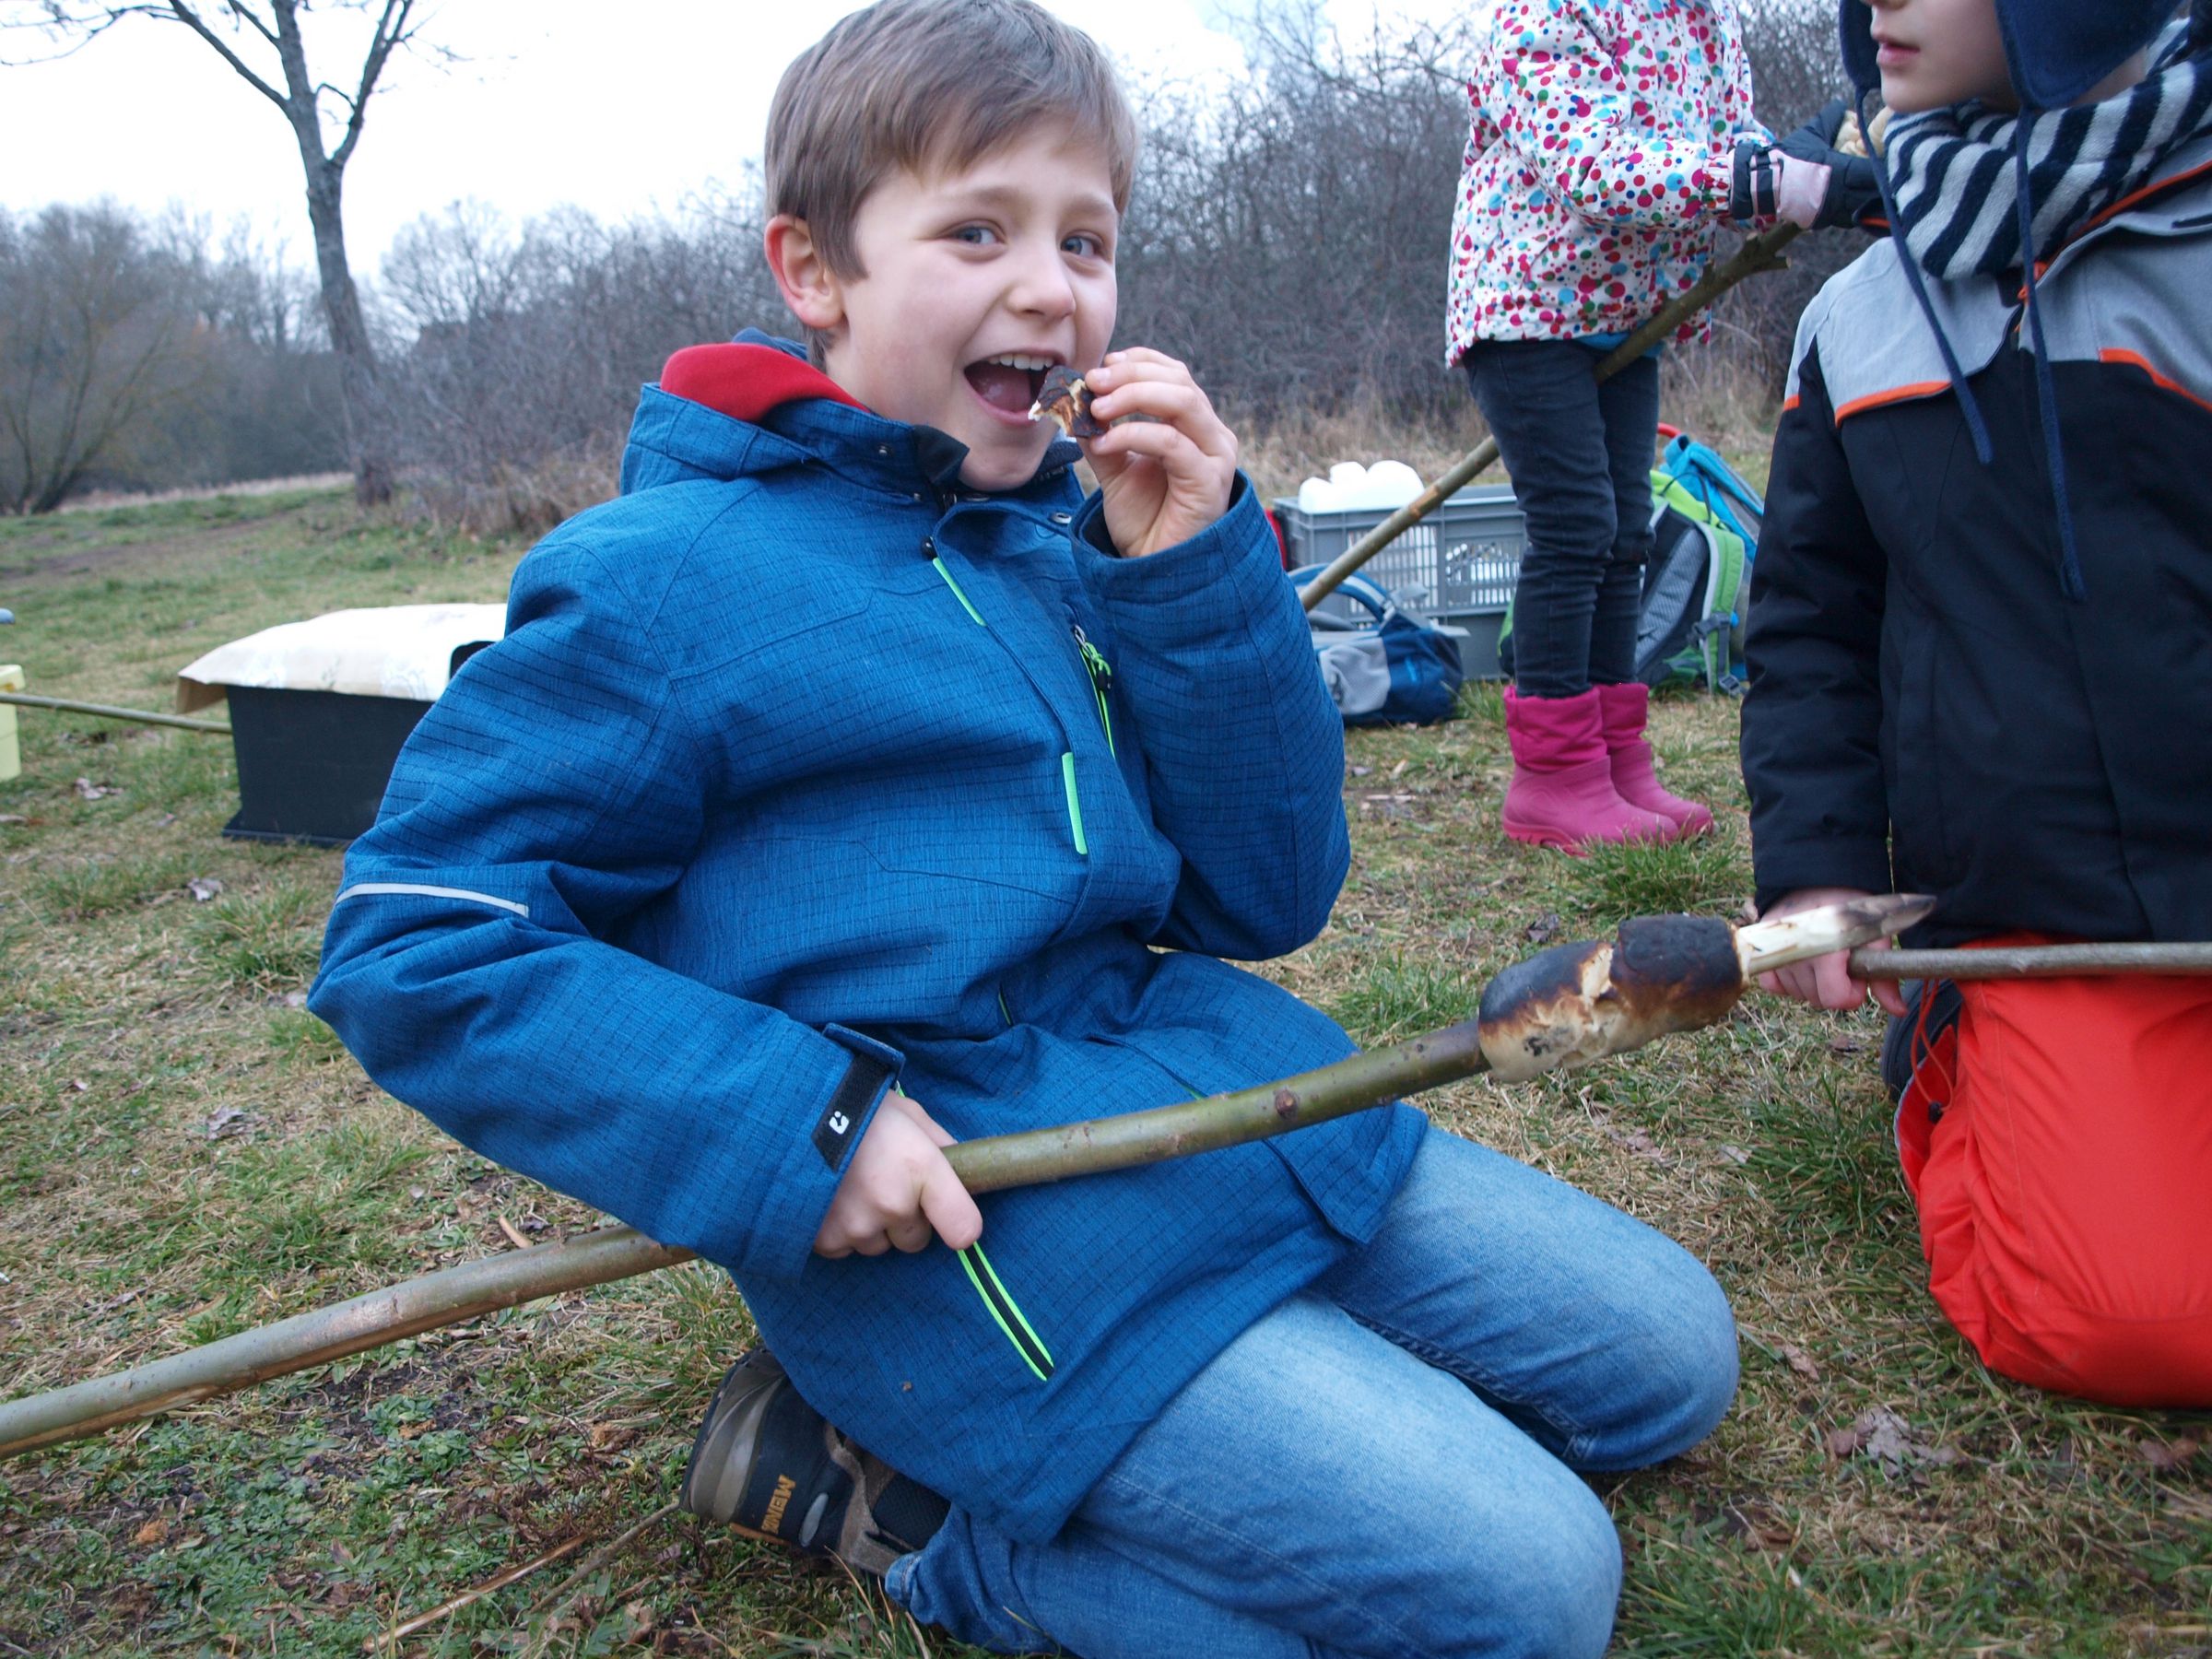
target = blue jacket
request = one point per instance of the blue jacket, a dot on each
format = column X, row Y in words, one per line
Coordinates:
column 800, row 765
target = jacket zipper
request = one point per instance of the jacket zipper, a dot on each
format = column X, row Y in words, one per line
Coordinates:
column 1067, row 760
column 1100, row 673
column 1005, row 1313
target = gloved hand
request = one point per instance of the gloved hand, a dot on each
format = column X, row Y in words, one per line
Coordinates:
column 1805, row 179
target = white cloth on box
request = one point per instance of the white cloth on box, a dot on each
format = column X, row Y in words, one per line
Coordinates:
column 390, row 651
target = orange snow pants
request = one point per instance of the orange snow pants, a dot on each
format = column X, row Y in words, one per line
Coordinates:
column 2058, row 1142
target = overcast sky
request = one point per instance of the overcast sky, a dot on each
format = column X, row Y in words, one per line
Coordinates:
column 623, row 109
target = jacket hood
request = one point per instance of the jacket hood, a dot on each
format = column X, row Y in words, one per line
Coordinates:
column 755, row 406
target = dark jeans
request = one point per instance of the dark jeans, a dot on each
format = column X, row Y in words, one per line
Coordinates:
column 1580, row 453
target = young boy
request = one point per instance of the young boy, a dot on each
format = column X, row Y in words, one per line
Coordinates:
column 851, row 786
column 1984, row 675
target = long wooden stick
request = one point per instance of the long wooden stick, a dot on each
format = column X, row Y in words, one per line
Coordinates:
column 1542, row 991
column 64, row 705
column 1760, row 253
column 2034, row 962
column 444, row 1297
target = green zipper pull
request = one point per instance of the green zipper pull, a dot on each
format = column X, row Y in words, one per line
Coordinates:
column 1101, row 673
column 929, row 550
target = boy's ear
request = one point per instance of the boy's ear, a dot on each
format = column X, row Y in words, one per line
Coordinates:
column 810, row 287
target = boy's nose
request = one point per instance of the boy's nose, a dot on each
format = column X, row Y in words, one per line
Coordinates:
column 1041, row 285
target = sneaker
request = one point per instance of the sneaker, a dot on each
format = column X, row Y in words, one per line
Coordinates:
column 769, row 1465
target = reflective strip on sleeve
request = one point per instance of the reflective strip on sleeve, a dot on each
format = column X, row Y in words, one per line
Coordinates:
column 363, row 888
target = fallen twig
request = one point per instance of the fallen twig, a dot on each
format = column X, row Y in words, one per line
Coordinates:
column 65, row 705
column 593, row 1562
column 452, row 1604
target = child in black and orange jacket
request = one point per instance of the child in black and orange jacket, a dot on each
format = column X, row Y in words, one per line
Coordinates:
column 1988, row 550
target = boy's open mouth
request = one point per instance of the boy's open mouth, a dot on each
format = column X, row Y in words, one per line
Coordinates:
column 1010, row 382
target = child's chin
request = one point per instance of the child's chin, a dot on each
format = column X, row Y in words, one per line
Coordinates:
column 1003, row 467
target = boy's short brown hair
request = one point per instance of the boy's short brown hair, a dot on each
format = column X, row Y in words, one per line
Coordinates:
column 917, row 84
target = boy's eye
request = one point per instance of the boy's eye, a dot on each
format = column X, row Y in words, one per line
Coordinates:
column 1084, row 245
column 975, row 236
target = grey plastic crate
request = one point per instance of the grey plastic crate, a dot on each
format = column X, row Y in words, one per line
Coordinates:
column 1457, row 566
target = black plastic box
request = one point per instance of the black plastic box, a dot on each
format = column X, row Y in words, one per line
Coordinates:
column 313, row 765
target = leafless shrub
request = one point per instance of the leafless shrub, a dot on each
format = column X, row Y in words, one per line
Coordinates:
column 136, row 356
column 523, row 350
column 93, row 341
column 1288, row 239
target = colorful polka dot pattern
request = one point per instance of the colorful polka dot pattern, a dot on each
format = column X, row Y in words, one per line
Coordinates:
column 1598, row 166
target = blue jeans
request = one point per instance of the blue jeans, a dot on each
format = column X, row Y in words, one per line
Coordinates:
column 1580, row 453
column 1385, row 1464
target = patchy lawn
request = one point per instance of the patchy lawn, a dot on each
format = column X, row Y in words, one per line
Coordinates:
column 185, row 1152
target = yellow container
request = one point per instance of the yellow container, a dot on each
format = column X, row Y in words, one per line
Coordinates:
column 11, row 754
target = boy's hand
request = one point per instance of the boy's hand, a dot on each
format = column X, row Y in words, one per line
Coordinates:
column 1826, row 981
column 898, row 1191
column 1166, row 478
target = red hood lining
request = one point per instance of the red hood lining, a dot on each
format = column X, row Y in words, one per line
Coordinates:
column 745, row 382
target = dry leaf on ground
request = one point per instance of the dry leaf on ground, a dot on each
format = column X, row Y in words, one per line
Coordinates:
column 2166, row 1457
column 1881, row 1434
column 227, row 1120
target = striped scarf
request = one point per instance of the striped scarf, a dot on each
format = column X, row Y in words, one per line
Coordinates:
column 1955, row 178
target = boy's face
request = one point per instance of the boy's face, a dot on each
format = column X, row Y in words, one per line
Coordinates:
column 978, row 280
column 1934, row 53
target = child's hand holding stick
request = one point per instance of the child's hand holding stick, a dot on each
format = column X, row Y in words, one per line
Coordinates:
column 898, row 1192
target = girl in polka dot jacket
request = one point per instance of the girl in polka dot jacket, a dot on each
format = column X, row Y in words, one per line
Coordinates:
column 1612, row 140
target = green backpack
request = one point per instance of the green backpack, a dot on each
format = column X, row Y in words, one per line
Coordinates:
column 1705, row 523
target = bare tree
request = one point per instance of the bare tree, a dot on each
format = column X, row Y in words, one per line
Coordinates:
column 97, row 334
column 326, row 122
column 1289, row 232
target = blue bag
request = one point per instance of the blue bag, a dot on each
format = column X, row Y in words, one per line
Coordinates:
column 1384, row 664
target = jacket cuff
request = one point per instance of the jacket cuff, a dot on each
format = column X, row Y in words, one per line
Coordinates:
column 782, row 1236
column 1179, row 589
column 1834, row 863
column 852, row 1106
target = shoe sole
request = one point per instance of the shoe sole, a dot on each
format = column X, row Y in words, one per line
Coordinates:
column 1537, row 836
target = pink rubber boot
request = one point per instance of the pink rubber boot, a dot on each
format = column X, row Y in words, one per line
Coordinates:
column 1623, row 711
column 1562, row 793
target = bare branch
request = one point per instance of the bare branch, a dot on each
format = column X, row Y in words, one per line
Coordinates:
column 248, row 16
column 193, row 20
column 391, row 32
column 60, row 21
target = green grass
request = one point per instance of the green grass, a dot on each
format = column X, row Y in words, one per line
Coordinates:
column 184, row 1151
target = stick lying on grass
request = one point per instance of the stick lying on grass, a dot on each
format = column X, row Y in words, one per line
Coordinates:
column 1564, row 1007
column 1760, row 253
column 66, row 705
